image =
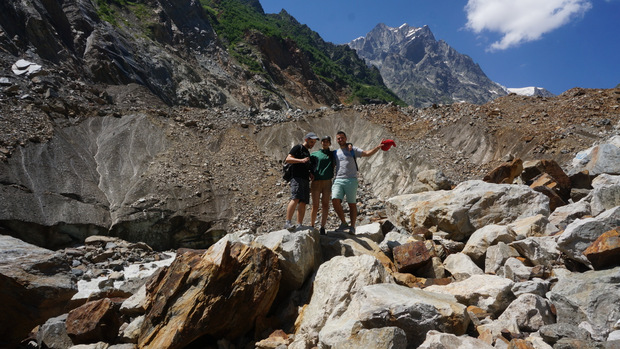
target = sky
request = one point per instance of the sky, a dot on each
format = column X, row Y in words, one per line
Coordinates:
column 555, row 44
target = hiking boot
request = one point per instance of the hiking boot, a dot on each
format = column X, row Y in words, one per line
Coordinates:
column 342, row 227
column 322, row 231
column 289, row 226
column 351, row 229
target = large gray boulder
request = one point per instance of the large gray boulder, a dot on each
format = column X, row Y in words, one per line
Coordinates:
column 599, row 159
column 335, row 284
column 299, row 254
column 581, row 233
column 468, row 207
column 590, row 300
column 413, row 310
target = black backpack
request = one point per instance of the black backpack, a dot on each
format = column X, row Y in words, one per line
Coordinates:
column 287, row 172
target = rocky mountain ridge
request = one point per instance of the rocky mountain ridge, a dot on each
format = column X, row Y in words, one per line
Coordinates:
column 423, row 71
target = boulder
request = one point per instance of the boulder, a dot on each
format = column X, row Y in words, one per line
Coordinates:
column 413, row 310
column 505, row 173
column 384, row 337
column 481, row 239
column 335, row 284
column 372, row 231
column 590, row 299
column 497, row 255
column 36, row 284
column 563, row 216
column 536, row 168
column 490, row 293
column 535, row 286
column 188, row 299
column 515, row 270
column 552, row 333
column 581, row 233
column 299, row 254
column 468, row 207
column 434, row 180
column 53, row 333
column 411, row 256
column 604, row 197
column 604, row 251
column 95, row 321
column 438, row 340
column 461, row 266
column 602, row 158
column 343, row 244
column 530, row 312
column 538, row 250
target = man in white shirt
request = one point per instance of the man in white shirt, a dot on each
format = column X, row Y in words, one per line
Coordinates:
column 345, row 182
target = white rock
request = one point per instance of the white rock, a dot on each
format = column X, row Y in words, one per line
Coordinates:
column 461, row 266
column 470, row 206
column 538, row 250
column 413, row 310
column 335, row 284
column 515, row 270
column 496, row 256
column 439, row 340
column 371, row 231
column 529, row 312
column 481, row 239
column 488, row 292
column 299, row 254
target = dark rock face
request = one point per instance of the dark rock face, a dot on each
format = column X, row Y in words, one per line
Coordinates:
column 99, row 178
column 423, row 71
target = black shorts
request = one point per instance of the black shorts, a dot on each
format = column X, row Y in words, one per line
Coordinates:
column 300, row 189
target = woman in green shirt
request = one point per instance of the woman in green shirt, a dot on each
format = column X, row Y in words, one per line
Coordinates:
column 321, row 187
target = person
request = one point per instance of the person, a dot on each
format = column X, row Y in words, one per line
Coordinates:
column 345, row 182
column 301, row 168
column 321, row 186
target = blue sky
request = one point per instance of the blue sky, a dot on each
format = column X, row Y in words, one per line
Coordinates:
column 555, row 44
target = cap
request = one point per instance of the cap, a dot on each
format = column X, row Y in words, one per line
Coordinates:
column 386, row 144
column 329, row 139
column 311, row 135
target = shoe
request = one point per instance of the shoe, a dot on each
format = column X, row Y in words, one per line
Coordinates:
column 351, row 230
column 289, row 226
column 322, row 231
column 342, row 227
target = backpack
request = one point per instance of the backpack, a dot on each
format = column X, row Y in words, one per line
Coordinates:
column 287, row 171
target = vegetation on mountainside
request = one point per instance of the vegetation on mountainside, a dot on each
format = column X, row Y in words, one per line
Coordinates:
column 336, row 65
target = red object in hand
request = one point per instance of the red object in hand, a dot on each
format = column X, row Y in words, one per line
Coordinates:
column 386, row 144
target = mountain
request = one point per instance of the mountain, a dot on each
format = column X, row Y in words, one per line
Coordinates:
column 423, row 71
column 531, row 91
column 200, row 54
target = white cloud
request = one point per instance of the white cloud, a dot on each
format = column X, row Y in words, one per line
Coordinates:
column 520, row 21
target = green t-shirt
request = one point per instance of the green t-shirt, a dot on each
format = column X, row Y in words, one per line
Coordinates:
column 323, row 164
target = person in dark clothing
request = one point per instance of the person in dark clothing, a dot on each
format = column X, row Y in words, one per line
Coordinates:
column 321, row 187
column 299, row 157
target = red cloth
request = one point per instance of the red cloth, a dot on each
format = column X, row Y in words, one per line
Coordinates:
column 386, row 144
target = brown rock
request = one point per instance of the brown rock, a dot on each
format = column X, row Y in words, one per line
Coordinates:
column 550, row 168
column 605, row 250
column 505, row 173
column 219, row 293
column 410, row 256
column 94, row 322
column 581, row 180
column 520, row 344
column 555, row 200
